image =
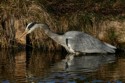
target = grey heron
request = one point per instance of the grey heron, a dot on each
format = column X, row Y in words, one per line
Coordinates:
column 73, row 41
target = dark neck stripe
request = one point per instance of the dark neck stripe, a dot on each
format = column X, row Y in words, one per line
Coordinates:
column 66, row 41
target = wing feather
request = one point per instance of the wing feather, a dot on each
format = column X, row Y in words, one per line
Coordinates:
column 85, row 43
column 82, row 42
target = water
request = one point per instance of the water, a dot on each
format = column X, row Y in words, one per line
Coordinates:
column 44, row 67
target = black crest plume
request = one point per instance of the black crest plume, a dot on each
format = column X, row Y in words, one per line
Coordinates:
column 31, row 25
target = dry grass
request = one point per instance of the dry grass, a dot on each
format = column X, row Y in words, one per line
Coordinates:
column 61, row 17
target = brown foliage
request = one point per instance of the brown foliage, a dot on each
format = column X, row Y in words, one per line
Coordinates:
column 61, row 16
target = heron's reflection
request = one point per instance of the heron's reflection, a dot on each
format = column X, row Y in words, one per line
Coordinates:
column 85, row 63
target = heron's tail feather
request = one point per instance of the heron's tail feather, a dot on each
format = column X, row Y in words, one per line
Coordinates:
column 109, row 48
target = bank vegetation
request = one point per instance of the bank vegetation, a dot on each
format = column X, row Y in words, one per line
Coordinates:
column 103, row 19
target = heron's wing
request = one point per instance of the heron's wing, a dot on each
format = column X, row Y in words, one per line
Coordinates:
column 85, row 43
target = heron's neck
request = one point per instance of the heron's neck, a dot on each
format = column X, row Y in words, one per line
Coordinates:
column 50, row 33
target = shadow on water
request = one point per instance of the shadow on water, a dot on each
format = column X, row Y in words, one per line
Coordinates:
column 44, row 67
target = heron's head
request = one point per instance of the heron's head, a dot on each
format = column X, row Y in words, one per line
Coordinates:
column 29, row 28
column 32, row 26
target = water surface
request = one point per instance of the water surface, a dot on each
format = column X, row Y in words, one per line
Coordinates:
column 46, row 67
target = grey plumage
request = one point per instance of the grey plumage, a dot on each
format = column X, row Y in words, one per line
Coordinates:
column 76, row 41
column 82, row 42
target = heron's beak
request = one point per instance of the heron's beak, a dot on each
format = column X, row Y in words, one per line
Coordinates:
column 25, row 33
